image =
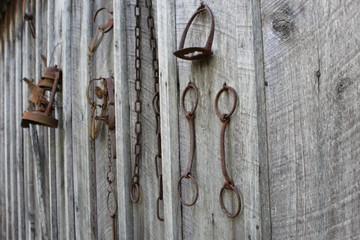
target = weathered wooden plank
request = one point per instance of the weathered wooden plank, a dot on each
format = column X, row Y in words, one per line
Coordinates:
column 19, row 132
column 10, row 100
column 83, row 152
column 103, row 66
column 338, row 124
column 51, row 38
column 28, row 71
column 59, row 132
column 39, row 182
column 261, row 122
column 313, row 134
column 169, row 120
column 67, row 119
column 2, row 145
column 122, row 108
column 7, row 134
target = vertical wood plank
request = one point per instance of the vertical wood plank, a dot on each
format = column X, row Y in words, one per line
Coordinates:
column 67, row 120
column 169, row 121
column 122, row 108
column 83, row 155
column 266, row 227
column 28, row 71
column 2, row 146
column 18, row 112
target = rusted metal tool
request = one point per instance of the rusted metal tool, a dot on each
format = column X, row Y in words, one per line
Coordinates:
column 195, row 53
column 107, row 114
column 102, row 29
column 42, row 96
column 190, row 115
column 229, row 183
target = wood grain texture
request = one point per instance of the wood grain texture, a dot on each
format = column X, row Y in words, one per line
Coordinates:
column 19, row 131
column 169, row 120
column 311, row 66
column 84, row 160
column 68, row 68
column 28, row 71
column 233, row 64
column 122, row 124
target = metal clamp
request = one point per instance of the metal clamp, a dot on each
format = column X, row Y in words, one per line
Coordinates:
column 194, row 53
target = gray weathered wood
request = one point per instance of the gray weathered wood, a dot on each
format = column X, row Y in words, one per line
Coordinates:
column 67, row 119
column 125, row 230
column 39, row 182
column 19, row 132
column 169, row 120
column 28, row 57
column 83, row 152
column 313, row 136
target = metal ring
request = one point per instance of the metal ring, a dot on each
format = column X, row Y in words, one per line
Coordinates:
column 107, row 26
column 111, row 212
column 225, row 116
column 135, row 193
column 189, row 86
column 158, row 208
column 231, row 187
column 187, row 176
column 155, row 103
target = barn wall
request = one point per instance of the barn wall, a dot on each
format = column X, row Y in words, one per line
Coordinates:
column 292, row 145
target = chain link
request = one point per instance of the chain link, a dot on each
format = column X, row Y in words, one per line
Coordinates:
column 135, row 186
column 156, row 103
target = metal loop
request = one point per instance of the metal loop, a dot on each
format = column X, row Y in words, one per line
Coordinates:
column 158, row 208
column 155, row 103
column 224, row 116
column 192, row 111
column 107, row 26
column 231, row 187
column 114, row 211
column 110, row 176
column 135, row 193
column 187, row 176
column 194, row 53
column 157, row 158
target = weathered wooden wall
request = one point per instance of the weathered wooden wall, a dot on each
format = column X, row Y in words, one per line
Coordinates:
column 292, row 145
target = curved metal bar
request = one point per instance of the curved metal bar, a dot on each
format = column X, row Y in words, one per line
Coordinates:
column 194, row 53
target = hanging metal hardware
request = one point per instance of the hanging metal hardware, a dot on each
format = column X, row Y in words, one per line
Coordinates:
column 195, row 53
column 28, row 17
column 95, row 125
column 107, row 113
column 156, row 105
column 190, row 116
column 229, row 183
column 102, row 29
column 135, row 192
column 42, row 96
column 107, row 108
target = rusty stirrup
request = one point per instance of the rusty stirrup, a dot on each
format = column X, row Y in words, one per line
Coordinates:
column 194, row 53
column 42, row 96
column 102, row 29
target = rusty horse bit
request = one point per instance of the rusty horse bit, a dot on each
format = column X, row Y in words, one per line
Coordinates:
column 190, row 115
column 229, row 183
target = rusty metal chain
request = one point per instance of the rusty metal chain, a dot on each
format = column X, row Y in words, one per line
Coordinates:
column 110, row 177
column 229, row 183
column 190, row 115
column 135, row 192
column 94, row 129
column 156, row 103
